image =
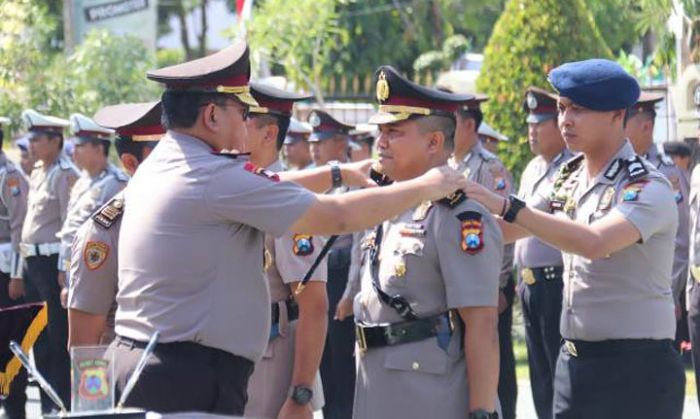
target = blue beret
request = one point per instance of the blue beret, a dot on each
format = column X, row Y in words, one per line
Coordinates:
column 597, row 84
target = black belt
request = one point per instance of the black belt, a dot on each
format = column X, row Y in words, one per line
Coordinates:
column 292, row 311
column 544, row 273
column 581, row 348
column 185, row 348
column 368, row 337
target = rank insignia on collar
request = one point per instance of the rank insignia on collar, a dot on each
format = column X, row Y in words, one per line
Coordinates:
column 472, row 234
column 95, row 254
column 303, row 244
column 260, row 171
column 631, row 192
column 422, row 211
column 607, row 198
column 613, row 169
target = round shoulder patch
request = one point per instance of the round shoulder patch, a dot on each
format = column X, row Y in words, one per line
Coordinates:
column 95, row 254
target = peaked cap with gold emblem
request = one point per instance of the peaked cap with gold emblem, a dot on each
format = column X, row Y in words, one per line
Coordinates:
column 326, row 126
column 400, row 99
column 227, row 71
column 272, row 100
column 646, row 103
column 138, row 122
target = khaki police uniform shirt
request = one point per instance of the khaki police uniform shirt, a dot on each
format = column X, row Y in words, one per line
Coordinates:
column 694, row 254
column 485, row 168
column 287, row 262
column 49, row 193
column 88, row 194
column 191, row 247
column 422, row 259
column 539, row 176
column 682, row 194
column 94, row 271
column 14, row 189
column 626, row 295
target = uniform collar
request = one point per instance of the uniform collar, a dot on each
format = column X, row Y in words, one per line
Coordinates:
column 189, row 143
column 276, row 166
column 652, row 153
column 477, row 148
column 616, row 164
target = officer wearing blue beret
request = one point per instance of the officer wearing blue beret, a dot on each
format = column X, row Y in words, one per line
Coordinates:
column 613, row 215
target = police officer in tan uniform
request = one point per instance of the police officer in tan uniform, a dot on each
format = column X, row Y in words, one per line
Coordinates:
column 93, row 284
column 540, row 265
column 49, row 192
column 480, row 165
column 191, row 241
column 13, row 207
column 490, row 138
column 426, row 271
column 286, row 382
column 330, row 141
column 99, row 181
column 640, row 131
column 613, row 215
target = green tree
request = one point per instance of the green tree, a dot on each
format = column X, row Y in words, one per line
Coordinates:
column 531, row 38
column 440, row 60
column 617, row 22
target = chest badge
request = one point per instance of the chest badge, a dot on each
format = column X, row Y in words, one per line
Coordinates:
column 400, row 269
column 607, row 198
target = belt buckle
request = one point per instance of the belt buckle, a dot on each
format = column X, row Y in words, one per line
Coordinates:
column 360, row 338
column 571, row 348
column 528, row 276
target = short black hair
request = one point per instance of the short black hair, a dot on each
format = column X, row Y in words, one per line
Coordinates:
column 444, row 124
column 181, row 108
column 135, row 148
column 474, row 114
column 282, row 122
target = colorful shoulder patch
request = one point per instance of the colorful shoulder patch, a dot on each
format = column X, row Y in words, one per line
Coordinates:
column 13, row 185
column 303, row 244
column 472, row 232
column 95, row 254
column 260, row 171
column 631, row 191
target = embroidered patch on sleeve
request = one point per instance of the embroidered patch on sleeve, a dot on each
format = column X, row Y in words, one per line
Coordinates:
column 472, row 233
column 95, row 254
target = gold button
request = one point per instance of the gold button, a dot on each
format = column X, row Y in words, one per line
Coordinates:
column 415, row 366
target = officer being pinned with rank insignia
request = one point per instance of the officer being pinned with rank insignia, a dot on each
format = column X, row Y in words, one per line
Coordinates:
column 50, row 186
column 426, row 312
column 286, row 381
column 614, row 216
column 540, row 265
column 93, row 276
column 99, row 181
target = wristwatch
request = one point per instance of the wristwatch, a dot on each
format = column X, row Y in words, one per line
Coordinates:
column 516, row 204
column 482, row 414
column 300, row 394
column 336, row 176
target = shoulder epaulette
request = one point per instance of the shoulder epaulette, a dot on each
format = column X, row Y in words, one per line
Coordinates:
column 453, row 199
column 635, row 168
column 109, row 213
column 487, row 155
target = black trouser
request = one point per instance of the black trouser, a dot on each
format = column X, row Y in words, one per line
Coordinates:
column 507, row 384
column 640, row 379
column 183, row 377
column 541, row 304
column 50, row 351
column 694, row 330
column 338, row 364
column 16, row 401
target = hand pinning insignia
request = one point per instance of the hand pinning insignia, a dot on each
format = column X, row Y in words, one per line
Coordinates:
column 472, row 234
column 303, row 244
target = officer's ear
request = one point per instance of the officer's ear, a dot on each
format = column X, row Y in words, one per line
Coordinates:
column 271, row 132
column 436, row 141
column 130, row 163
column 208, row 116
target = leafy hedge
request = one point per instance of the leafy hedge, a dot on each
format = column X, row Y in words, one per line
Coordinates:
column 530, row 38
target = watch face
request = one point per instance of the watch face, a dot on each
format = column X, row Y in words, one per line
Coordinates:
column 301, row 395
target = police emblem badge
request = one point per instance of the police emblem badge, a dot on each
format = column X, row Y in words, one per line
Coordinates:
column 303, row 244
column 472, row 237
column 95, row 254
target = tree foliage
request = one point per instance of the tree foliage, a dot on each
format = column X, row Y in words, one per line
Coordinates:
column 442, row 59
column 531, row 38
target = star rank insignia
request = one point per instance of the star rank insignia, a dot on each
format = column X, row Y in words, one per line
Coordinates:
column 303, row 244
column 472, row 234
column 95, row 254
